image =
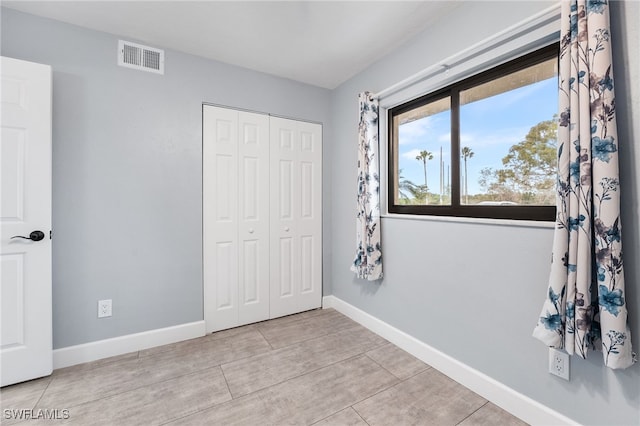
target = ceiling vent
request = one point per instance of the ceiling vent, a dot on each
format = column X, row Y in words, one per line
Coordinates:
column 137, row 56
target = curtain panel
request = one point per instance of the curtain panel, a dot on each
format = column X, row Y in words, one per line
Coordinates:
column 585, row 304
column 368, row 260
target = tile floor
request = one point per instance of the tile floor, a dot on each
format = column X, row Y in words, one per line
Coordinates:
column 314, row 368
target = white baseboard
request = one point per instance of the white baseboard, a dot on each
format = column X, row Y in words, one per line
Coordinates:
column 72, row 355
column 499, row 394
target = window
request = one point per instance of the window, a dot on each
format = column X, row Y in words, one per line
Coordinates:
column 501, row 125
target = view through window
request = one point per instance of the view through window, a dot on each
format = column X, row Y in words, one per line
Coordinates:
column 502, row 127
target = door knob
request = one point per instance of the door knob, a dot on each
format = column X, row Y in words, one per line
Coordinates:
column 251, row 230
column 34, row 236
column 286, row 229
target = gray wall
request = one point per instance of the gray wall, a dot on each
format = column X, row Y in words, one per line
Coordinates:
column 127, row 173
column 474, row 291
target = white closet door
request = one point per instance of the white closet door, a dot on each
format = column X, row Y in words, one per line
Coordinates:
column 296, row 221
column 253, row 229
column 235, row 217
column 220, row 217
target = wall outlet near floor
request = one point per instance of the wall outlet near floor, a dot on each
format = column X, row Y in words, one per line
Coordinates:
column 559, row 363
column 104, row 308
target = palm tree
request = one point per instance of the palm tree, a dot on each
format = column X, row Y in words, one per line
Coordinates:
column 408, row 191
column 424, row 156
column 466, row 154
column 404, row 186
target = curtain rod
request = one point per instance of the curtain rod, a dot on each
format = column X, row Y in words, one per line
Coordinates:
column 444, row 64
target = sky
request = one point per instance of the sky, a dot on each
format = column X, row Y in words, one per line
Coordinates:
column 489, row 127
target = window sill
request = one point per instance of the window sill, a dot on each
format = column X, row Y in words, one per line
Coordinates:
column 473, row 220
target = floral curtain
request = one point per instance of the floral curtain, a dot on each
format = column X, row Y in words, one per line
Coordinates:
column 368, row 262
column 585, row 305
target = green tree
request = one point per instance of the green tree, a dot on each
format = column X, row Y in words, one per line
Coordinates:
column 409, row 192
column 466, row 154
column 425, row 156
column 528, row 175
column 418, row 193
column 422, row 196
column 405, row 186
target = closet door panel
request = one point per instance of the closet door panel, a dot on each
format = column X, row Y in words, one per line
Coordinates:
column 285, row 267
column 284, row 286
column 296, row 156
column 220, row 217
column 310, row 221
column 253, row 226
column 307, row 255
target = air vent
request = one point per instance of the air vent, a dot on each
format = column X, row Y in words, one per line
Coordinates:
column 137, row 56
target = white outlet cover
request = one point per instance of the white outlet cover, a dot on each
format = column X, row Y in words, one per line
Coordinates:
column 559, row 363
column 104, row 308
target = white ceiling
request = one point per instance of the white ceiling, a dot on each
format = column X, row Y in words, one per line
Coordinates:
column 323, row 43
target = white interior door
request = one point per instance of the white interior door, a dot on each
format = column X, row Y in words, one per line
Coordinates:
column 25, row 264
column 236, row 217
column 296, row 216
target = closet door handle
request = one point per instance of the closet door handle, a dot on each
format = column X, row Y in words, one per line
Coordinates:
column 251, row 230
column 286, row 229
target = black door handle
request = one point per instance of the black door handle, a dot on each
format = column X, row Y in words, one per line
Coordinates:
column 34, row 236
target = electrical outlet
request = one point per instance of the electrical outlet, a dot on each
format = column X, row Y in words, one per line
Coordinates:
column 104, row 308
column 559, row 363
